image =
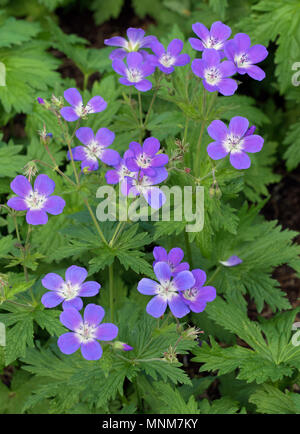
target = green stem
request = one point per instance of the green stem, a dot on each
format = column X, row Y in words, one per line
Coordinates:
column 213, row 275
column 111, row 291
column 188, row 249
column 95, row 221
column 153, row 99
column 116, row 233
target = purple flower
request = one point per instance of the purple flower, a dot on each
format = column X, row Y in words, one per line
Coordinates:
column 165, row 60
column 119, row 174
column 136, row 40
column 167, row 291
column 173, row 259
column 95, row 148
column 40, row 100
column 69, row 290
column 215, row 38
column 85, row 332
column 146, row 157
column 38, row 201
column 233, row 140
column 215, row 73
column 232, row 261
column 78, row 110
column 135, row 72
column 239, row 51
column 145, row 185
column 198, row 295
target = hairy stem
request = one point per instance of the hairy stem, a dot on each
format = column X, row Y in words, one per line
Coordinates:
column 111, row 291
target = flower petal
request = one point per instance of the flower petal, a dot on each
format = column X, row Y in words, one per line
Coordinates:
column 196, row 44
column 151, row 146
column 175, row 256
column 51, row 299
column 175, row 47
column 44, row 185
column 68, row 343
column 97, row 104
column 72, row 96
column 211, row 57
column 207, row 293
column 36, row 217
column 71, row 318
column 112, row 177
column 118, row 54
column 134, row 60
column 52, row 281
column 200, row 277
column 155, row 197
column 253, row 143
column 178, row 306
column 17, row 203
column 91, row 350
column 135, row 35
column 93, row 314
column 183, row 280
column 147, row 286
column 85, row 135
column 227, row 86
column 76, row 303
column 217, row 130
column 227, row 68
column 243, row 42
column 198, row 67
column 256, row 72
column 232, row 261
column 156, row 306
column 238, row 126
column 119, row 67
column 89, row 289
column 201, row 31
column 162, row 271
column 257, row 53
column 76, row 275
column 220, row 31
column 106, row 332
column 182, row 59
column 160, row 254
column 240, row 160
column 69, row 114
column 21, row 186
column 116, row 41
column 181, row 267
column 54, row 205
column 216, row 151
column 110, row 157
column 105, row 137
column 160, row 160
column 143, row 85
column 78, row 153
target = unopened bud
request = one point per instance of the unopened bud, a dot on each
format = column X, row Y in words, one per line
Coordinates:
column 187, row 170
column 40, row 100
column 57, row 102
column 191, row 333
column 86, row 170
column 170, row 355
column 215, row 190
column 121, row 346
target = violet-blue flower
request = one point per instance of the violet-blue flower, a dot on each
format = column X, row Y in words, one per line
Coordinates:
column 167, row 291
column 38, row 201
column 173, row 259
column 215, row 38
column 135, row 72
column 167, row 59
column 232, row 261
column 136, row 41
column 215, row 73
column 198, row 295
column 146, row 157
column 86, row 331
column 70, row 290
column 77, row 109
column 146, row 185
column 245, row 57
column 95, row 148
column 120, row 173
column 234, row 141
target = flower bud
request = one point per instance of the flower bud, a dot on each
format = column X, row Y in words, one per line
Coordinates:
column 30, row 170
column 170, row 356
column 191, row 333
column 118, row 345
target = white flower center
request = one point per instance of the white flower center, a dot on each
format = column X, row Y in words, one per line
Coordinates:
column 166, row 290
column 82, row 110
column 143, row 184
column 212, row 75
column 242, row 60
column 132, row 46
column 35, row 200
column 190, row 294
column 134, row 75
column 93, row 150
column 86, row 332
column 167, row 60
column 69, row 291
column 144, row 161
column 124, row 171
column 233, row 143
column 213, row 43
